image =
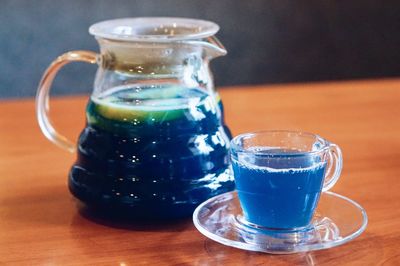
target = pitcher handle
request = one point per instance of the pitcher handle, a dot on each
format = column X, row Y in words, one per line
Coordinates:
column 42, row 95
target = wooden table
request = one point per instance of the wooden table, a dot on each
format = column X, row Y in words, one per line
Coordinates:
column 40, row 222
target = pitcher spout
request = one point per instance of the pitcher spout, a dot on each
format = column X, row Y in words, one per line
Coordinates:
column 212, row 47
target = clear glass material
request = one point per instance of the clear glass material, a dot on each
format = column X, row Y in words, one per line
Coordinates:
column 158, row 29
column 337, row 221
column 155, row 143
column 156, row 51
column 280, row 175
column 135, row 52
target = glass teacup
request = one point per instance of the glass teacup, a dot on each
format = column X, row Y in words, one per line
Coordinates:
column 280, row 175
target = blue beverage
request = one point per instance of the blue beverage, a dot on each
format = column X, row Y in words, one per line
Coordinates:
column 152, row 151
column 279, row 191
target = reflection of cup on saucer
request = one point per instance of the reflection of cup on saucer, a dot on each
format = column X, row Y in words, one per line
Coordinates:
column 280, row 175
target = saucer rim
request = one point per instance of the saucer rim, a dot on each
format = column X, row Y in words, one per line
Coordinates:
column 252, row 247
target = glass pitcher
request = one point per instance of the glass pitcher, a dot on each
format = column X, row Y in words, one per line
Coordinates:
column 155, row 144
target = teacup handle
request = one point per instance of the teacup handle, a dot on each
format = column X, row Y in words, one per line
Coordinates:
column 334, row 167
column 42, row 95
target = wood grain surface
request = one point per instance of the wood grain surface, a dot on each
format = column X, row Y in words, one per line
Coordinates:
column 42, row 224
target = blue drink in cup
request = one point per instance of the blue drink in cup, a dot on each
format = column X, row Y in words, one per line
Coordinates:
column 280, row 175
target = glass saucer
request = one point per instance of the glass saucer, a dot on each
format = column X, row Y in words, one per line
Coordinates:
column 337, row 220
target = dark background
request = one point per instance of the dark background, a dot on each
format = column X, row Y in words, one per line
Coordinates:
column 268, row 41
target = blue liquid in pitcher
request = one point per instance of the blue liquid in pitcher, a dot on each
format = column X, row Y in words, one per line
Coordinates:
column 152, row 151
column 279, row 192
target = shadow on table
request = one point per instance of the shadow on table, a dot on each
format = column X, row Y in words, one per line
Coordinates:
column 39, row 206
column 53, row 206
column 365, row 250
column 120, row 221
